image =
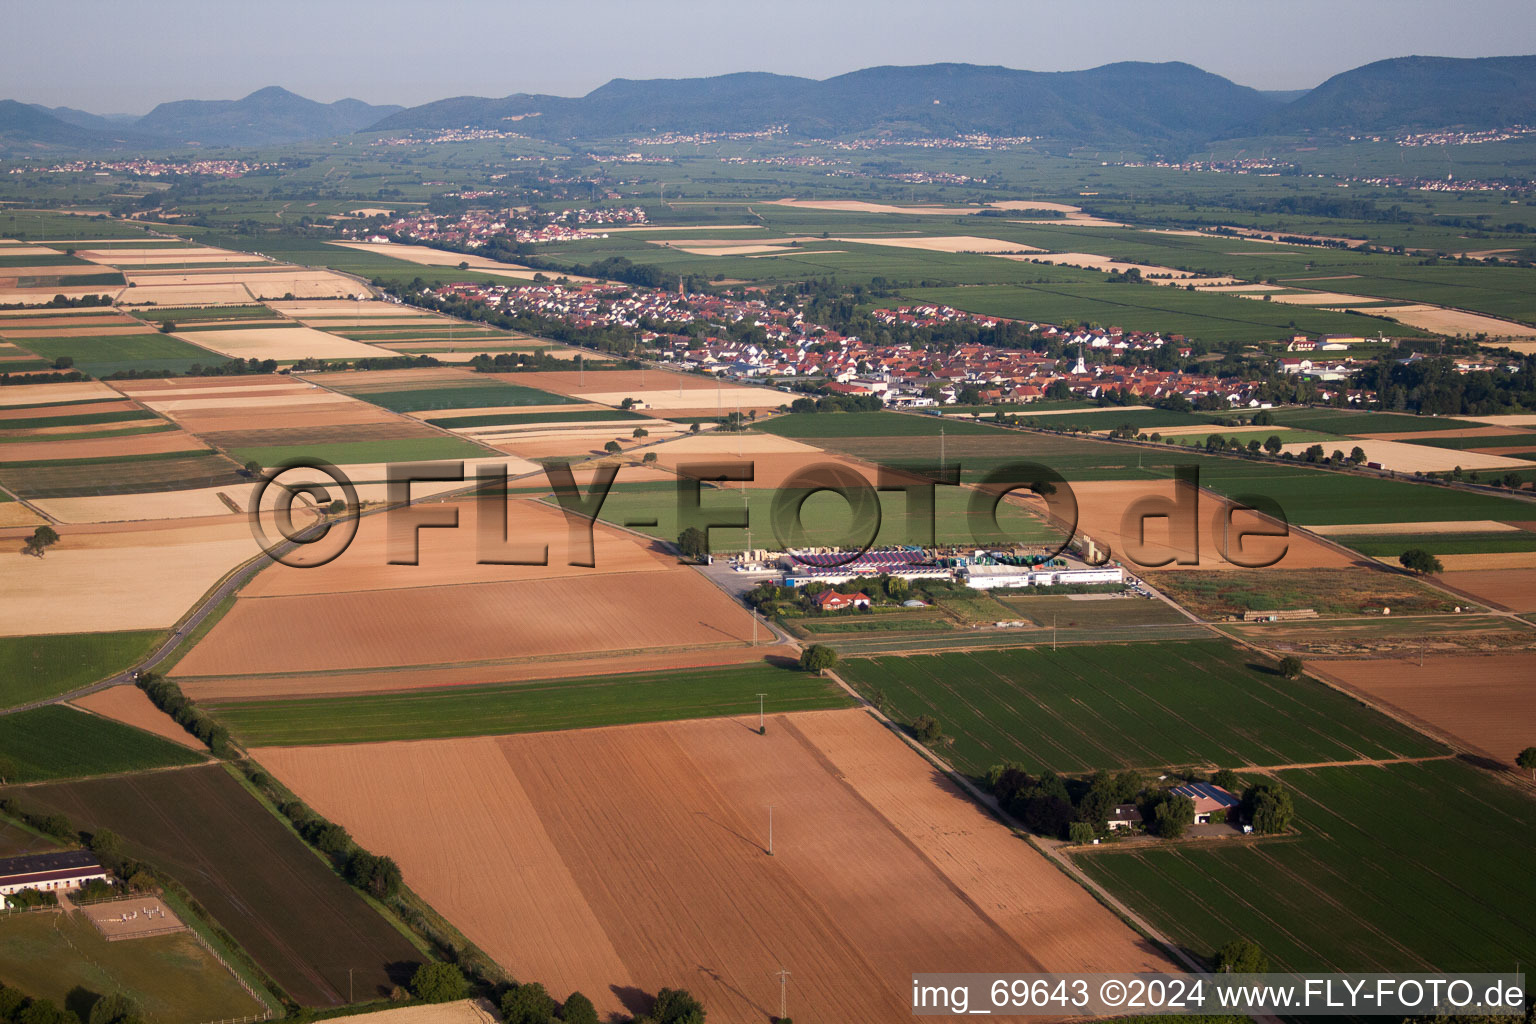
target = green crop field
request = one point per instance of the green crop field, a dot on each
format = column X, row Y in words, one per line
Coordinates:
column 38, row 667
column 1202, row 315
column 471, row 396
column 528, row 707
column 1390, row 545
column 867, row 424
column 1350, row 421
column 101, row 356
column 1087, row 707
column 58, row 742
column 405, row 449
column 1404, row 867
column 1109, row 419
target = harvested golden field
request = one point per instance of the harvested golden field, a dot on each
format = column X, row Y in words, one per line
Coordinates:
column 100, row 578
column 879, row 864
column 129, row 705
column 158, row 442
column 1412, row 458
column 464, row 1011
column 1487, row 702
column 1443, row 526
column 1103, row 505
column 201, row 502
column 946, row 243
column 281, row 343
column 466, row 623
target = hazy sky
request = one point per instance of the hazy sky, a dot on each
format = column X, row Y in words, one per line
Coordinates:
column 110, row 57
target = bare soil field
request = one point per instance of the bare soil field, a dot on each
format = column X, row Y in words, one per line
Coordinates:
column 1510, row 588
column 132, row 917
column 1412, row 458
column 102, row 447
column 98, row 578
column 947, row 243
column 464, row 623
column 52, row 394
column 429, row 257
column 1487, row 702
column 448, row 556
column 860, row 886
column 1102, row 507
column 129, row 705
column 367, row 309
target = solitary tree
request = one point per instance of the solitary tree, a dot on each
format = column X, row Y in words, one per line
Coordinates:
column 641, row 432
column 1272, row 444
column 1417, row 560
column 1080, row 832
column 64, row 363
column 648, row 459
column 167, row 326
column 693, row 542
column 927, row 729
column 817, row 658
column 1357, row 455
column 1291, row 667
column 1241, row 956
column 1527, row 759
column 613, row 448
column 43, row 538
column 252, row 468
column 438, row 983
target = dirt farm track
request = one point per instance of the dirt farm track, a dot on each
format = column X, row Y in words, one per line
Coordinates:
column 617, row 861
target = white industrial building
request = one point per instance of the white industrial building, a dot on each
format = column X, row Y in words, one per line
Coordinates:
column 995, row 577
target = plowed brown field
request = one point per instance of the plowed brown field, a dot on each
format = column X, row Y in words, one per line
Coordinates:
column 129, row 705
column 1486, row 701
column 632, row 858
column 1514, row 589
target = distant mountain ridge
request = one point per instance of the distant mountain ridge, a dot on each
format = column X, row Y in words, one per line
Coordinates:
column 1124, row 103
column 265, row 117
column 1419, row 93
column 1117, row 101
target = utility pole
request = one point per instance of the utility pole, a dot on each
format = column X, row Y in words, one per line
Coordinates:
column 783, row 994
column 762, row 728
column 349, row 984
column 770, row 830
column 941, row 447
column 1053, row 631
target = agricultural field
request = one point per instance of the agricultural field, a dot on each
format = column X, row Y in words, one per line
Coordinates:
column 296, row 918
column 172, row 978
column 38, row 667
column 1343, row 592
column 1082, row 708
column 545, row 706
column 1467, row 888
column 57, row 742
column 572, row 824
